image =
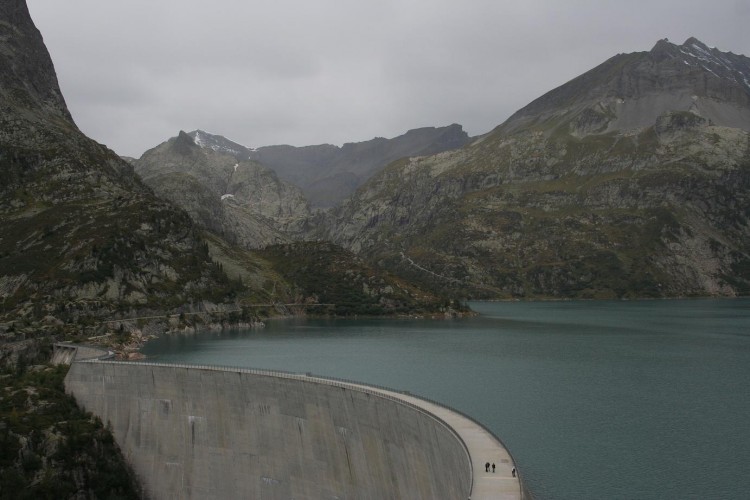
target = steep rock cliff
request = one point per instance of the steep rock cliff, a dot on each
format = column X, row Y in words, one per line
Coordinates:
column 81, row 234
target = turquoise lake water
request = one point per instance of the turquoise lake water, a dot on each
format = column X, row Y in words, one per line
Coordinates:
column 594, row 399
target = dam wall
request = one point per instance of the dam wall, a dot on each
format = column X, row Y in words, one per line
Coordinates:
column 206, row 432
column 64, row 353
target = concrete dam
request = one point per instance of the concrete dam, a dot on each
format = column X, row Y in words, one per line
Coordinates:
column 199, row 432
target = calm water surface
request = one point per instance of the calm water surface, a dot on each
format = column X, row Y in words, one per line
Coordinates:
column 595, row 400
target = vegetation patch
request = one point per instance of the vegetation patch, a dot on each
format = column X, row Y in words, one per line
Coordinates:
column 331, row 280
column 50, row 448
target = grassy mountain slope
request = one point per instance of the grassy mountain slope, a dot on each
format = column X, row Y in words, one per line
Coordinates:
column 331, row 280
column 550, row 205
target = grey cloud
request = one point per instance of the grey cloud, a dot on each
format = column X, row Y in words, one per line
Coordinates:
column 292, row 71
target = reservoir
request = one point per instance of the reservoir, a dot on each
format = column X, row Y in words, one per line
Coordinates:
column 594, row 399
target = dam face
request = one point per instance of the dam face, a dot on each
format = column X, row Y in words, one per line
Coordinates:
column 202, row 432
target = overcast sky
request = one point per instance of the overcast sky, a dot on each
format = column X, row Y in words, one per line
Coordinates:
column 302, row 72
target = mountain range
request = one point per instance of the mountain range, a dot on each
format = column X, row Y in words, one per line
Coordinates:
column 328, row 174
column 628, row 181
column 631, row 180
column 84, row 240
column 257, row 197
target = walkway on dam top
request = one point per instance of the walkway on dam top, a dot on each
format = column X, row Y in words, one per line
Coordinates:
column 483, row 447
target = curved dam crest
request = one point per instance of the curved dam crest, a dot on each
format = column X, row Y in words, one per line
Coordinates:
column 212, row 432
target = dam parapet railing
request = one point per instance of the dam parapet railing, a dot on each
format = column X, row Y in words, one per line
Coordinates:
column 367, row 388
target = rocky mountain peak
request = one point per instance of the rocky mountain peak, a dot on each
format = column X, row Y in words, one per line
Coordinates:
column 627, row 180
column 219, row 144
column 28, row 76
column 695, row 55
column 663, row 49
column 692, row 41
column 82, row 236
column 726, row 65
column 183, row 144
column 630, row 91
column 222, row 190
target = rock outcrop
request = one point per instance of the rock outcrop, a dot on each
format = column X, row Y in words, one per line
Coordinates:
column 223, row 191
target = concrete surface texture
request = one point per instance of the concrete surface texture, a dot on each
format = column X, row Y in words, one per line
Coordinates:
column 212, row 432
column 65, row 353
column 483, row 448
column 192, row 432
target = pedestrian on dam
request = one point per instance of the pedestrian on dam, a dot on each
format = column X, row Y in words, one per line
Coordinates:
column 493, row 467
column 513, row 472
column 487, row 467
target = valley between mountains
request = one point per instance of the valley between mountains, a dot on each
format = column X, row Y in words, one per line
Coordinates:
column 630, row 181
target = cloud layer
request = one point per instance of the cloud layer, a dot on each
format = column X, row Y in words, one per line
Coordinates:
column 299, row 72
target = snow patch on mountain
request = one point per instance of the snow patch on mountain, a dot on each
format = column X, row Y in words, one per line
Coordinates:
column 219, row 144
column 720, row 64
